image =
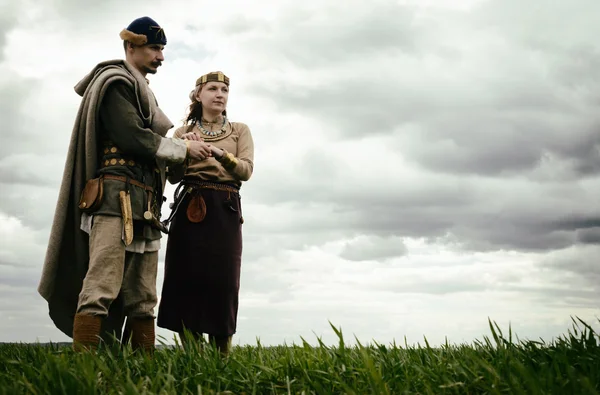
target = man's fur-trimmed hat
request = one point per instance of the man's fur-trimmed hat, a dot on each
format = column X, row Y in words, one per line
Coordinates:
column 144, row 31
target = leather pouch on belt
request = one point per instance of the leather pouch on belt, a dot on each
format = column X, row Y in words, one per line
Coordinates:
column 92, row 195
column 196, row 210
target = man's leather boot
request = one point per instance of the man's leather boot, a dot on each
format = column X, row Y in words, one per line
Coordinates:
column 86, row 332
column 142, row 334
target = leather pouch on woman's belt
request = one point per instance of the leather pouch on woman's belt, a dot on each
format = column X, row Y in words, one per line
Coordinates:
column 92, row 195
column 196, row 210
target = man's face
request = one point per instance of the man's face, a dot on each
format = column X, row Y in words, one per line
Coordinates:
column 146, row 58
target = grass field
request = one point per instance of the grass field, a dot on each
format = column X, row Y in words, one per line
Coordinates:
column 497, row 364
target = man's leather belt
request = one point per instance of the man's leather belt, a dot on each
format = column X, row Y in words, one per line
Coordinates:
column 131, row 181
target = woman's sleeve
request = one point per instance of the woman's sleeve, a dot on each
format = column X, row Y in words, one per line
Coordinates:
column 242, row 165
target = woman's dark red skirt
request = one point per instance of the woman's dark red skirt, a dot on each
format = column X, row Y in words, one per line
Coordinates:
column 202, row 265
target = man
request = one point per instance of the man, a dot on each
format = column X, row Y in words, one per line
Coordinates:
column 102, row 256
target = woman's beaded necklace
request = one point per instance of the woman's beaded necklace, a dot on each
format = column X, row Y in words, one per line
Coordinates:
column 211, row 133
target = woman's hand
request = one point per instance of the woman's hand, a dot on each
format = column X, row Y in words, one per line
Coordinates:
column 216, row 152
column 199, row 150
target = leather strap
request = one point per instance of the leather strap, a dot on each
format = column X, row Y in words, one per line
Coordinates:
column 131, row 181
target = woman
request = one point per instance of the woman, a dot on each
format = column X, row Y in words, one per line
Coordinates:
column 204, row 248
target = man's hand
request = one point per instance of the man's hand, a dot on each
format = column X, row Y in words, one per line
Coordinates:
column 198, row 150
column 192, row 136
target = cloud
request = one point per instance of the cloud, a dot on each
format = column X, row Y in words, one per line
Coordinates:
column 8, row 20
column 431, row 139
column 400, row 199
column 32, row 205
column 17, row 133
column 373, row 248
column 301, row 291
column 442, row 99
column 74, row 15
column 579, row 261
column 589, row 235
column 22, row 246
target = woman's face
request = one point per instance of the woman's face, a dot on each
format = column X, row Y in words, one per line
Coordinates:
column 213, row 96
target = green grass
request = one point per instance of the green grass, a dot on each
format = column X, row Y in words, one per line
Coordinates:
column 495, row 365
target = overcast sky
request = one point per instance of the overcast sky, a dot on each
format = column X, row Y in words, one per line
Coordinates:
column 418, row 168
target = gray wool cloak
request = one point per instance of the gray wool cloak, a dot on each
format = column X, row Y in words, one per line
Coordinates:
column 67, row 254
